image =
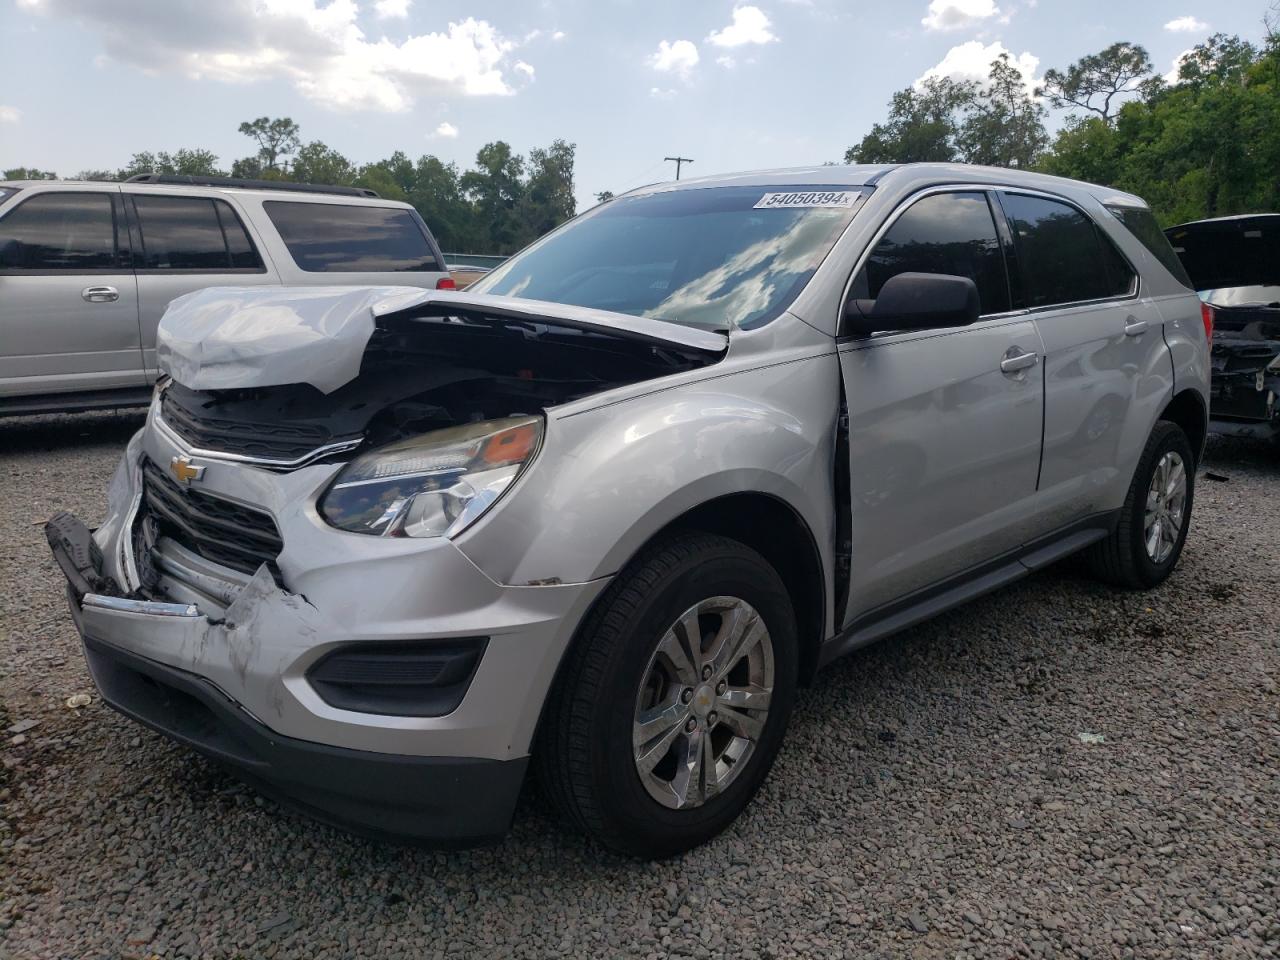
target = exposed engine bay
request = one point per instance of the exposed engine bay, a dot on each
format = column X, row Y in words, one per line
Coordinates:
column 419, row 374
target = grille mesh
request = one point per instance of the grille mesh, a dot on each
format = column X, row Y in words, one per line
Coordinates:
column 235, row 536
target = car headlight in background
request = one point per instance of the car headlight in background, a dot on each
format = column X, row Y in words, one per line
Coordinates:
column 434, row 485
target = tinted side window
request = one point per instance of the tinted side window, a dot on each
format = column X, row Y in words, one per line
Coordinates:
column 332, row 238
column 1060, row 252
column 187, row 233
column 949, row 233
column 60, row 231
column 1121, row 280
column 239, row 246
column 1141, row 222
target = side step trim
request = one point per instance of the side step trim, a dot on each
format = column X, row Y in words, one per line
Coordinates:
column 928, row 602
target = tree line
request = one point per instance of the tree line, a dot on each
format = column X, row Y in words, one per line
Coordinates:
column 504, row 202
column 1205, row 145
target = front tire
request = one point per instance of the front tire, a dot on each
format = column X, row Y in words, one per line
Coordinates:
column 1148, row 539
column 672, row 705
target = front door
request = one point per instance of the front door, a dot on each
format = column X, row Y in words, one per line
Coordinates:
column 68, row 297
column 944, row 425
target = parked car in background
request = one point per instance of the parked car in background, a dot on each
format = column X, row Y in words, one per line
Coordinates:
column 379, row 550
column 87, row 269
column 1234, row 263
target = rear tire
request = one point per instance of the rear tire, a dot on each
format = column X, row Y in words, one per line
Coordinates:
column 621, row 694
column 1138, row 555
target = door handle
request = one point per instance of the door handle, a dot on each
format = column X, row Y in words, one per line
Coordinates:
column 1016, row 359
column 100, row 294
column 1133, row 326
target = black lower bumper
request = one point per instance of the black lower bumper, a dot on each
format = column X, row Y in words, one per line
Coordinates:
column 438, row 801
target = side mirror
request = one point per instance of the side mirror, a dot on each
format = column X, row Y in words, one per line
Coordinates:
column 915, row 301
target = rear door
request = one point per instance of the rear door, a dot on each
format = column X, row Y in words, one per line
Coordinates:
column 1107, row 369
column 182, row 244
column 944, row 425
column 68, row 297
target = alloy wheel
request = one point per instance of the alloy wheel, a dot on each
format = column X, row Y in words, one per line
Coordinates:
column 703, row 702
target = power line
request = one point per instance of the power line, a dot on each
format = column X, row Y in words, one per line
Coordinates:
column 680, row 161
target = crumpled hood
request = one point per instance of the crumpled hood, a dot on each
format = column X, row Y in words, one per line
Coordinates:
column 225, row 338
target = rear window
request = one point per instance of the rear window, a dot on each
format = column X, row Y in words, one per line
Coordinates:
column 1141, row 222
column 60, row 231
column 192, row 233
column 1063, row 256
column 344, row 238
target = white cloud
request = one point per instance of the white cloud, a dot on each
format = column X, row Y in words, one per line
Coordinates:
column 1171, row 77
column 1187, row 25
column 660, row 94
column 392, row 9
column 525, row 68
column 678, row 57
column 972, row 61
column 9, row 114
column 558, row 35
column 446, row 130
column 957, row 14
column 316, row 46
column 727, row 62
column 750, row 25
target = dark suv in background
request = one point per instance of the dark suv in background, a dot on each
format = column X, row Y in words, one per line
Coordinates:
column 1234, row 264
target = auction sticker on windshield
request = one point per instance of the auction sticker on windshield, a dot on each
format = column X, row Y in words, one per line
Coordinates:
column 808, row 199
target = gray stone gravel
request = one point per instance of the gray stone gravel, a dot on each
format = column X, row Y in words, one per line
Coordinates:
column 935, row 796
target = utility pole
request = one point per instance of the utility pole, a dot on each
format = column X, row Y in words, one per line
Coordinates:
column 680, row 161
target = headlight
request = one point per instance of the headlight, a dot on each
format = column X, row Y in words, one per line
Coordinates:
column 435, row 485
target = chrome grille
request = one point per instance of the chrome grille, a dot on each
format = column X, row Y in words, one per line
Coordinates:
column 228, row 533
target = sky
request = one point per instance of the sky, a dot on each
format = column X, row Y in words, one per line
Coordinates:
column 84, row 84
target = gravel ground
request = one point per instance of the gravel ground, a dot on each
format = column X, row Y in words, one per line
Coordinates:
column 936, row 795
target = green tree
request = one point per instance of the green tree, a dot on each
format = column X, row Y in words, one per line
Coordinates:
column 317, row 162
column 547, row 199
column 1208, row 145
column 29, row 173
column 604, row 196
column 198, row 163
column 1097, row 83
column 1005, row 125
column 437, row 195
column 923, row 125
column 276, row 140
column 496, row 188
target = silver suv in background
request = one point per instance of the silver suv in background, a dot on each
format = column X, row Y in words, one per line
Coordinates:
column 378, row 550
column 87, row 269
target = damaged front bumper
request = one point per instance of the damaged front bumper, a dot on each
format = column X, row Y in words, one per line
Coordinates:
column 224, row 662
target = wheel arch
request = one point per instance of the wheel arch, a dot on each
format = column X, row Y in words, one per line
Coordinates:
column 1188, row 410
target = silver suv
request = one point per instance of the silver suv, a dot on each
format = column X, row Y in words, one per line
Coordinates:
column 87, row 269
column 379, row 550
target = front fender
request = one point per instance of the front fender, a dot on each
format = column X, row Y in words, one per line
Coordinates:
column 607, row 480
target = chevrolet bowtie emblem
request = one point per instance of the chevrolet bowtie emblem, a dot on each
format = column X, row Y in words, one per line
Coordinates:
column 184, row 471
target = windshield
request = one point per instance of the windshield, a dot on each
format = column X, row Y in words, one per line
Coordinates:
column 716, row 257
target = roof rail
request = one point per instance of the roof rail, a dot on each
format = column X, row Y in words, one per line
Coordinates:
column 192, row 181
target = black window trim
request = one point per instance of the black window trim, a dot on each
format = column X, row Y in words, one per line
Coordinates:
column 1100, row 234
column 907, row 203
column 124, row 254
column 432, row 244
column 139, row 245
